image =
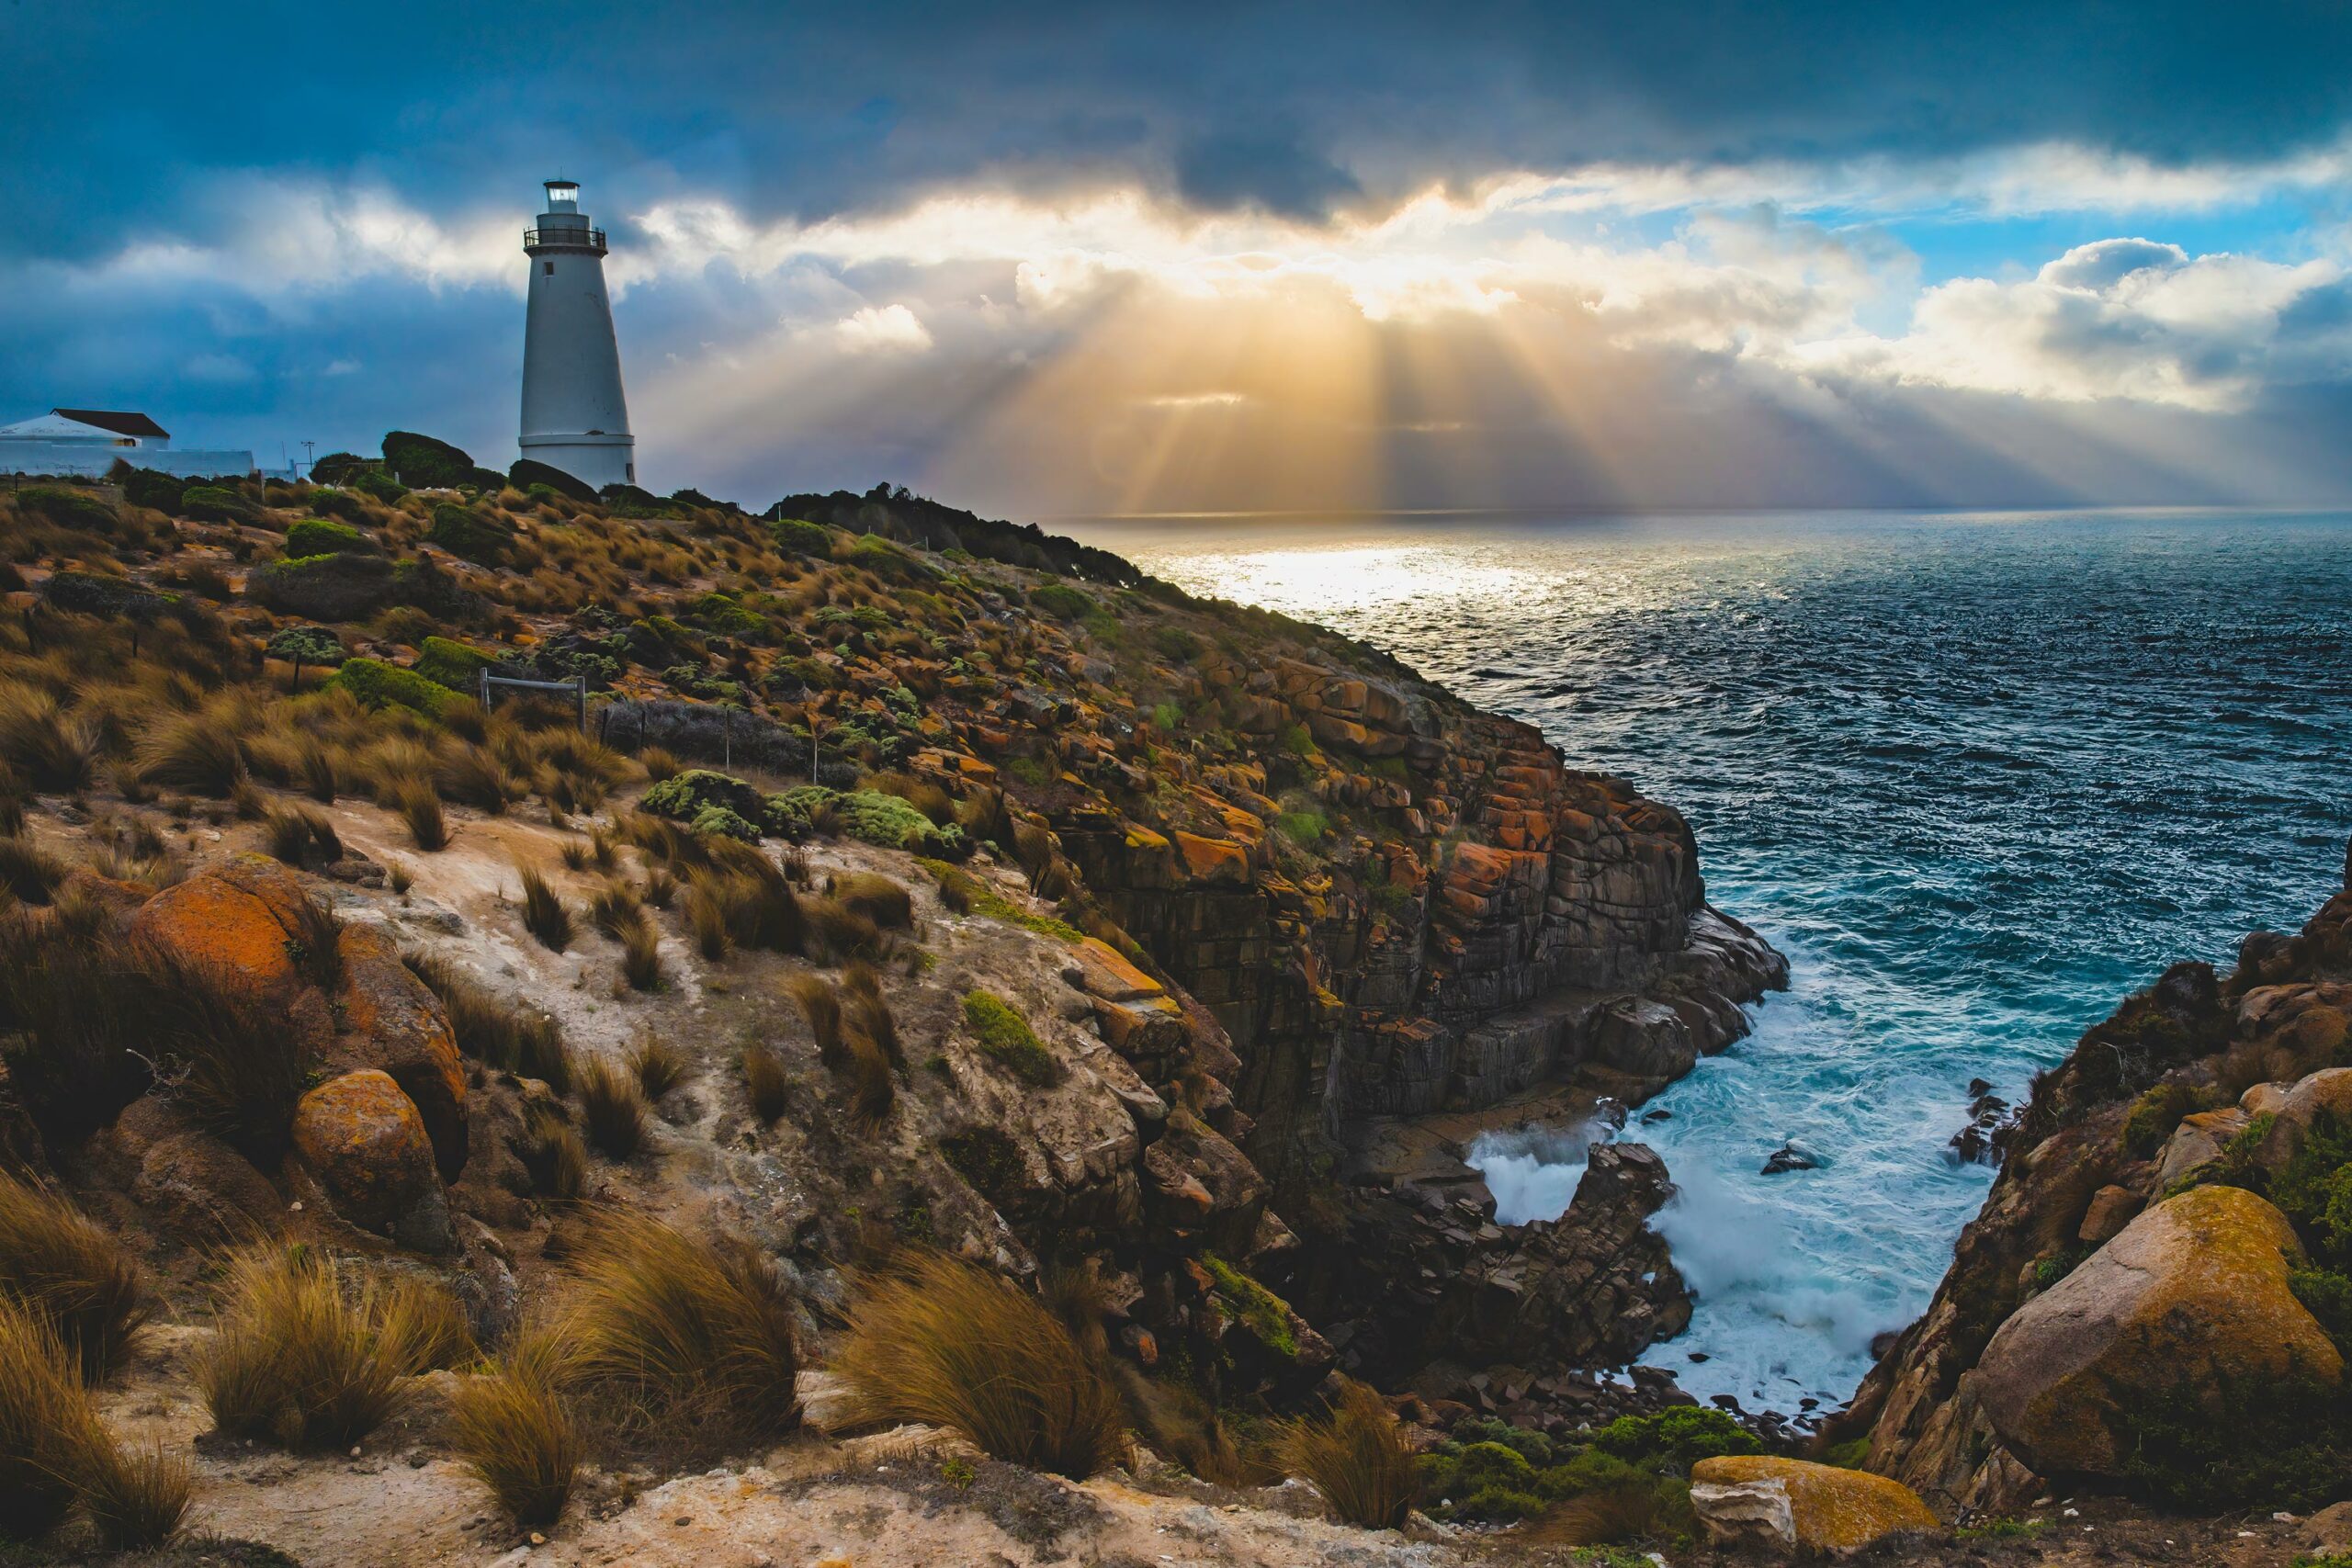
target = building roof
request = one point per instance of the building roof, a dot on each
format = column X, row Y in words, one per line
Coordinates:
column 120, row 423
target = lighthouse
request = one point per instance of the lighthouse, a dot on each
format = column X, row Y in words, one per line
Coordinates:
column 575, row 417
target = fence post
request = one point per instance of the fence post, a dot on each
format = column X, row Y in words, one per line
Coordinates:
column 583, row 702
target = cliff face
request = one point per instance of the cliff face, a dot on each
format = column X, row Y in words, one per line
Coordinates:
column 2099, row 1299
column 1286, row 891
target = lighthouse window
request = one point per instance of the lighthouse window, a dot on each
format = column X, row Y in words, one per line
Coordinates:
column 551, row 266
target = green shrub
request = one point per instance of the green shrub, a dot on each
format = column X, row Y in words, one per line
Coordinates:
column 717, row 612
column 893, row 824
column 211, row 503
column 153, row 489
column 339, row 587
column 721, row 822
column 1061, row 600
column 118, row 598
column 796, row 537
column 468, row 534
column 2326, row 1294
column 339, row 469
column 1266, row 1314
column 427, row 464
column 1004, row 1035
column 311, row 645
column 376, row 684
column 317, row 536
column 526, row 472
column 378, row 484
column 2155, row 1113
column 1684, row 1434
column 684, row 796
column 2271, row 1442
column 67, row 508
column 447, row 662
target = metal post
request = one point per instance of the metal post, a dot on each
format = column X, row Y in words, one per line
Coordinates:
column 482, row 676
column 583, row 703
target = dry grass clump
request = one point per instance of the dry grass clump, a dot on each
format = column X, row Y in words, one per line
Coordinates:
column 491, row 1029
column 837, row 932
column 554, row 1156
column 1356, row 1458
column 544, row 915
column 613, row 908
column 765, row 1081
column 674, row 1335
column 641, row 954
column 868, row 1014
column 25, row 872
column 941, row 1342
column 820, row 1004
column 422, row 1327
column 659, row 1066
column 762, row 909
column 515, row 1433
column 314, row 771
column 659, row 763
column 55, row 1452
column 470, row 776
column 297, row 833
column 614, row 1107
column 53, row 749
column 876, row 896
column 316, row 944
column 707, row 917
column 308, row 1353
column 1609, row 1516
column 72, row 1273
column 420, row 808
column 201, row 753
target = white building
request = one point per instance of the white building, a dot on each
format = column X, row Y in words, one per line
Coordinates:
column 575, row 417
column 88, row 442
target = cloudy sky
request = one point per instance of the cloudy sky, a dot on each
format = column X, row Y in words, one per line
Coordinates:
column 1066, row 260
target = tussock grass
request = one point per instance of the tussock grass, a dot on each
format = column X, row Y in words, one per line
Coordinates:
column 470, row 776
column 762, row 911
column 641, row 954
column 315, row 772
column 661, row 887
column 766, row 1082
column 941, row 1342
column 688, row 1340
column 555, row 1156
column 55, row 1452
column 544, row 915
column 297, row 833
column 1356, row 1458
column 820, row 1004
column 515, row 1433
column 421, row 1327
column 201, row 753
column 876, row 896
column 308, row 1353
column 837, row 932
column 53, row 749
column 614, row 1107
column 316, row 944
column 134, row 1499
column 489, row 1028
column 707, row 917
column 659, row 763
column 25, row 872
column 72, row 1273
column 867, row 1013
column 420, row 808
column 660, row 1065
column 613, row 908
column 1610, row 1516
column 574, row 852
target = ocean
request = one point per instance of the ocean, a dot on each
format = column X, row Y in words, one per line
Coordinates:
column 1979, row 775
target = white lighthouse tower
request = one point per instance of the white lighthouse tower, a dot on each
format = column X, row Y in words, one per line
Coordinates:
column 573, row 414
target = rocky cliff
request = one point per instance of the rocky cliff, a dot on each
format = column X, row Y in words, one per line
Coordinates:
column 2153, row 1298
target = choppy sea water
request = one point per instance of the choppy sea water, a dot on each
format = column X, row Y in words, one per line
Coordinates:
column 1979, row 775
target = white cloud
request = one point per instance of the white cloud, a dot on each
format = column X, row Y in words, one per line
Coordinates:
column 889, row 329
column 2122, row 318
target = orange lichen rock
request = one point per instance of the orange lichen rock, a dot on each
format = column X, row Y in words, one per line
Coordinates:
column 1213, row 860
column 240, row 916
column 1829, row 1509
column 365, row 1142
column 392, row 1021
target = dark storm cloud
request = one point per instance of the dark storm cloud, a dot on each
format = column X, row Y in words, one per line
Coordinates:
column 121, row 109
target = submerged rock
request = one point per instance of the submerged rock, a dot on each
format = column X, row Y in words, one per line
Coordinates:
column 1791, row 1155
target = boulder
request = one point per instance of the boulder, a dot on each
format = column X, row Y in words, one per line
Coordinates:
column 2111, row 1208
column 240, row 916
column 203, row 1190
column 392, row 1021
column 2190, row 1297
column 2292, row 1109
column 2198, row 1142
column 364, row 1141
column 1793, row 1503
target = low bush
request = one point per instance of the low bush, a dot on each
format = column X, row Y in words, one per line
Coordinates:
column 1356, row 1458
column 67, row 508
column 794, row 537
column 72, row 1274
column 346, row 586
column 469, row 534
column 312, row 537
column 938, row 1341
column 379, row 684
